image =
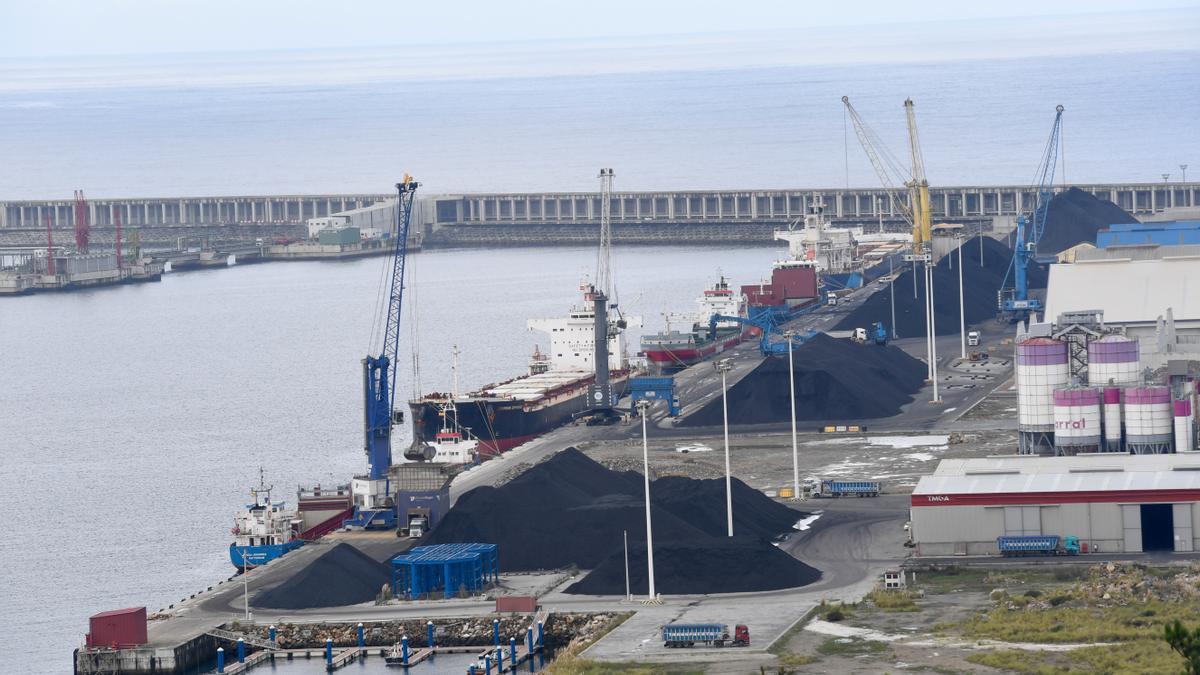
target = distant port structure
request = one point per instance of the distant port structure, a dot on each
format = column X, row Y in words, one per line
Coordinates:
column 698, row 207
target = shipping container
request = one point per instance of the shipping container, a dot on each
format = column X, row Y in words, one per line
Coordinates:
column 117, row 628
column 522, row 604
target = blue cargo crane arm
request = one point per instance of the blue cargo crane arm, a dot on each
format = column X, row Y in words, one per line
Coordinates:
column 379, row 380
column 1016, row 298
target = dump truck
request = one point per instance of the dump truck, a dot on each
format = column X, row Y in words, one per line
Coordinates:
column 709, row 634
column 1037, row 545
column 849, row 488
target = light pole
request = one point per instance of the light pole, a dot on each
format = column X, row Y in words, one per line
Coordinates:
column 628, row 594
column 1166, row 177
column 788, row 335
column 892, row 293
column 962, row 316
column 643, row 408
column 1183, row 169
column 724, row 366
column 933, row 340
column 245, row 586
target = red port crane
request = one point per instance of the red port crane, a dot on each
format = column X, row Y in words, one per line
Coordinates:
column 83, row 222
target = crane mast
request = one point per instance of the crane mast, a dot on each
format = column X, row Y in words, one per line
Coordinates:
column 918, row 186
column 877, row 155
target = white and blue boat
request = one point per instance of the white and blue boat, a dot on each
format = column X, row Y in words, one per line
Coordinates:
column 264, row 531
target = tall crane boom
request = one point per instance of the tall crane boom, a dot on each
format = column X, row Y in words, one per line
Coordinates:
column 379, row 381
column 884, row 164
column 918, row 187
column 1044, row 179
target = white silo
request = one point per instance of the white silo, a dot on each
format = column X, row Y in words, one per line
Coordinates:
column 1113, row 360
column 1041, row 368
column 1184, row 435
column 1148, row 425
column 1112, row 419
column 1076, row 420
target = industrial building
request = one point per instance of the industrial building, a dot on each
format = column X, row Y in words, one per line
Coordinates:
column 1113, row 503
column 1173, row 233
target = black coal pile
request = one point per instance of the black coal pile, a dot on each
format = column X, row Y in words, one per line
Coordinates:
column 836, row 379
column 716, row 566
column 570, row 510
column 981, row 282
column 343, row 575
column 1076, row 216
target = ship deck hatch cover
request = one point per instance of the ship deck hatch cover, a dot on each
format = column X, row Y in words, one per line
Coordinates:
column 1158, row 527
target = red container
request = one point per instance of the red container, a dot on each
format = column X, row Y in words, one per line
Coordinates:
column 521, row 604
column 118, row 628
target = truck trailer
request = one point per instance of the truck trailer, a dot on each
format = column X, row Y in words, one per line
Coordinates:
column 850, row 488
column 710, row 634
column 1037, row 545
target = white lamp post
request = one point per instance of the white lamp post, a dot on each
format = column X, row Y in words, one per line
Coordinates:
column 724, row 366
column 788, row 335
column 643, row 408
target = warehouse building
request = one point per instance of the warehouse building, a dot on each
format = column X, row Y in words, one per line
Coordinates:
column 1114, row 503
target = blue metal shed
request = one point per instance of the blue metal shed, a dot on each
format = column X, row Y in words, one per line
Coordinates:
column 1173, row 233
column 445, row 567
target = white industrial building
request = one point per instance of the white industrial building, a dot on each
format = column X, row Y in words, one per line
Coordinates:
column 1114, row 503
column 373, row 220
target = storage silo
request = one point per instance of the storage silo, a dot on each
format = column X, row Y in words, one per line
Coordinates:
column 1113, row 359
column 1184, row 436
column 1148, row 423
column 1076, row 420
column 1041, row 368
column 1112, row 419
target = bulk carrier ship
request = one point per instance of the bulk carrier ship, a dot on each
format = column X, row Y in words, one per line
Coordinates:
column 672, row 349
column 555, row 390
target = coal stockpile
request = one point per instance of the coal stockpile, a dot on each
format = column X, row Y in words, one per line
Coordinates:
column 719, row 565
column 1076, row 216
column 981, row 282
column 570, row 510
column 343, row 575
column 836, row 379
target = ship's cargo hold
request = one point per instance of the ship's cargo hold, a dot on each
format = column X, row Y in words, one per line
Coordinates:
column 518, row 604
column 1076, row 420
column 1149, row 427
column 1037, row 545
column 980, row 285
column 1076, row 216
column 835, row 379
column 117, row 628
column 343, row 575
column 715, row 634
column 1041, row 369
column 1113, row 360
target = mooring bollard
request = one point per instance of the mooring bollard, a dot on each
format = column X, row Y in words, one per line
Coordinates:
column 471, row 669
column 496, row 632
column 220, row 659
column 361, row 642
column 487, row 664
column 241, row 650
column 404, row 649
column 329, row 651
column 541, row 636
column 271, row 633
column 429, row 633
column 529, row 638
column 512, row 652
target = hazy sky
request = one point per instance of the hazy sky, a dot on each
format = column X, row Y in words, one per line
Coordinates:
column 81, row 27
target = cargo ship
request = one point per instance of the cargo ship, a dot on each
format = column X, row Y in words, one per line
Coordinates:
column 555, row 389
column 452, row 444
column 264, row 531
column 673, row 349
column 791, row 290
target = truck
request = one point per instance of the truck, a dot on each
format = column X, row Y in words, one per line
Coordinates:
column 711, row 634
column 1040, row 544
column 849, row 488
column 859, row 335
column 415, row 523
column 973, row 338
column 831, row 299
column 879, row 333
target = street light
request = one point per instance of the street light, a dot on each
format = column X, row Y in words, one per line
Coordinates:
column 643, row 407
column 962, row 316
column 724, row 366
column 1166, row 177
column 892, row 292
column 788, row 335
column 1183, row 169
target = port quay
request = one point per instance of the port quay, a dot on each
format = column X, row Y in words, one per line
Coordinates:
column 681, row 207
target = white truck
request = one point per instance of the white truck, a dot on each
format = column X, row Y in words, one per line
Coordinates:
column 973, row 338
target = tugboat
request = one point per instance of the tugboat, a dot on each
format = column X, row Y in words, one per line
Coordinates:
column 264, row 531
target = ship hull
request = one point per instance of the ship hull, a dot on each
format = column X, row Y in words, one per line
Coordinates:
column 256, row 556
column 502, row 424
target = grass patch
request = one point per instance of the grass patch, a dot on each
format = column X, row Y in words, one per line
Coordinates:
column 1081, row 624
column 578, row 666
column 893, row 601
column 851, row 647
column 959, row 579
column 567, row 662
column 798, row 660
column 1142, row 657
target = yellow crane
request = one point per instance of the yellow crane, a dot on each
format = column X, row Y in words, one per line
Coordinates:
column 918, row 186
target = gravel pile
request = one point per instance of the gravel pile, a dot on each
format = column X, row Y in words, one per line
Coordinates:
column 571, row 511
column 980, row 285
column 1076, row 216
column 343, row 575
column 836, row 380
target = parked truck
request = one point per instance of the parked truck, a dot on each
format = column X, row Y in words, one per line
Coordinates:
column 1037, row 545
column 710, row 634
column 849, row 488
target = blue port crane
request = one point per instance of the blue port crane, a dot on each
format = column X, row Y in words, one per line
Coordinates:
column 1014, row 300
column 373, row 506
column 768, row 326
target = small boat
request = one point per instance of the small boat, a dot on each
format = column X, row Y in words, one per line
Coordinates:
column 264, row 531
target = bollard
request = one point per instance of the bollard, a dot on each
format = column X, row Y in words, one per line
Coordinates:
column 541, row 636
column 496, row 632
column 271, row 633
column 329, row 652
column 429, row 633
column 512, row 651
column 404, row 649
column 241, row 650
column 529, row 638
column 499, row 659
column 471, row 669
column 361, row 643
column 487, row 664
column 220, row 659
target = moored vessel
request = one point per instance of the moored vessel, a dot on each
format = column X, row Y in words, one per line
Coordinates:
column 264, row 531
column 709, row 334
